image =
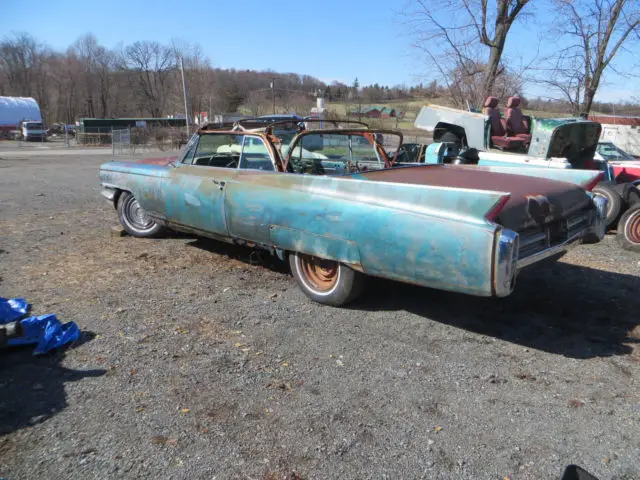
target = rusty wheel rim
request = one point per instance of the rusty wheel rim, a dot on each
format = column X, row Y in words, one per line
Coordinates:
column 321, row 275
column 632, row 227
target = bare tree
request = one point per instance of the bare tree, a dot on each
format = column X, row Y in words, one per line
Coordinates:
column 465, row 38
column 297, row 102
column 258, row 102
column 150, row 65
column 597, row 31
column 21, row 61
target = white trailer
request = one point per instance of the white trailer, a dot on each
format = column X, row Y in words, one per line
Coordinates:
column 624, row 132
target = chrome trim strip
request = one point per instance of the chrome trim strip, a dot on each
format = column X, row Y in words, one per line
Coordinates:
column 549, row 252
column 527, row 240
column 577, row 220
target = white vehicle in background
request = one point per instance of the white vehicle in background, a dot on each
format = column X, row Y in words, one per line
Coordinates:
column 31, row 130
column 621, row 130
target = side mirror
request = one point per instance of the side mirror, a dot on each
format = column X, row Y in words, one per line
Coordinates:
column 574, row 472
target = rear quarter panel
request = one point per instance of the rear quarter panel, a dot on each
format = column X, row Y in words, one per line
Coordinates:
column 430, row 236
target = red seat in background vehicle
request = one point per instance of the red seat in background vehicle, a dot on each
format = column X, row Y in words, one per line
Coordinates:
column 517, row 125
column 499, row 136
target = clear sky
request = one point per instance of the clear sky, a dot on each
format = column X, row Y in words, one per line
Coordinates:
column 329, row 39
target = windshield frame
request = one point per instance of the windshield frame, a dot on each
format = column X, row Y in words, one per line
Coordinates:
column 378, row 148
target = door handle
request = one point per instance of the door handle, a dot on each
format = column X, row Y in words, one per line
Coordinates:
column 220, row 183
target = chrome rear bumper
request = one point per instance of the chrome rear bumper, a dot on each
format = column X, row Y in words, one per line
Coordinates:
column 550, row 252
column 510, row 245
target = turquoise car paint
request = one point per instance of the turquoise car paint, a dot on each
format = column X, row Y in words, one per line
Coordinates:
column 195, row 197
column 487, row 162
column 146, row 182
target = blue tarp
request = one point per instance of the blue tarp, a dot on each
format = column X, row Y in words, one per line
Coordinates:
column 45, row 331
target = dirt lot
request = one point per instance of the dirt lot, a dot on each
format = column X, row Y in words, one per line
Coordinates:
column 197, row 362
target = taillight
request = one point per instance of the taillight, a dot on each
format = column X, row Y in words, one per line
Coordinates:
column 497, row 208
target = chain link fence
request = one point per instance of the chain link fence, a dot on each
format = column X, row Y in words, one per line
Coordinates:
column 134, row 141
column 121, row 142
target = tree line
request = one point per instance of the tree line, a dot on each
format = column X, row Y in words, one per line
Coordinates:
column 464, row 42
column 140, row 80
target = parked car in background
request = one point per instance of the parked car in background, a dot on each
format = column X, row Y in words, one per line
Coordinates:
column 488, row 139
column 60, row 129
column 31, row 130
column 626, row 167
column 341, row 214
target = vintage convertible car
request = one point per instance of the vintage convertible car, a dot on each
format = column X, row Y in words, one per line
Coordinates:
column 340, row 213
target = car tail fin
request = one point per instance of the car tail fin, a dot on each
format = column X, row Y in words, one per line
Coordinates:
column 497, row 208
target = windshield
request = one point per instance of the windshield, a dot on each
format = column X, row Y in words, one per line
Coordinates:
column 336, row 153
column 610, row 152
column 33, row 126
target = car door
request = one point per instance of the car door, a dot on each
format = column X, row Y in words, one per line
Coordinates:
column 196, row 187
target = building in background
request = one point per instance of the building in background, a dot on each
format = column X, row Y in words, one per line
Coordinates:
column 14, row 110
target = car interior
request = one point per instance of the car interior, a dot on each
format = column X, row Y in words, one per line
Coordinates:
column 500, row 137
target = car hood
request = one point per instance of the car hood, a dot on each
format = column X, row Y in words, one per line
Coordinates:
column 574, row 141
column 533, row 201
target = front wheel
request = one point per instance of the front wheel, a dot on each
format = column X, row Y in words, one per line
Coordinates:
column 628, row 234
column 326, row 281
column 134, row 219
column 614, row 201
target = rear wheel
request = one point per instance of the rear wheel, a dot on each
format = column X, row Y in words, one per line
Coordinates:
column 614, row 201
column 326, row 281
column 134, row 218
column 628, row 234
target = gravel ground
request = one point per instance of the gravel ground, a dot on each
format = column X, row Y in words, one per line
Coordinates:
column 199, row 361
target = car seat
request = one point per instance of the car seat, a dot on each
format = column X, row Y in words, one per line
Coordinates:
column 499, row 137
column 517, row 124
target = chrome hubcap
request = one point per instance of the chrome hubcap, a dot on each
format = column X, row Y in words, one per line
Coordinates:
column 137, row 216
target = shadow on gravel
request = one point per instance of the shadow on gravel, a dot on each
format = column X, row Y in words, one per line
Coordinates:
column 32, row 388
column 564, row 309
column 242, row 254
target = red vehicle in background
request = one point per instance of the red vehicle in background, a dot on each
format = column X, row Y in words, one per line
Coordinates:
column 626, row 167
column 626, row 170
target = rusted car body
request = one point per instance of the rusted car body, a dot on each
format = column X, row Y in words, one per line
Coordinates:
column 340, row 213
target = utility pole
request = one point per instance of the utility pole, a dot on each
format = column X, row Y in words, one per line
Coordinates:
column 186, row 98
column 273, row 93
